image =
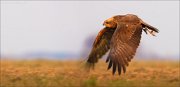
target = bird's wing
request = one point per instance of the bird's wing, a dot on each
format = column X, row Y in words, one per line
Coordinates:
column 124, row 43
column 101, row 46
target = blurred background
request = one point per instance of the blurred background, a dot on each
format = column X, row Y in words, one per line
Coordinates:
column 67, row 29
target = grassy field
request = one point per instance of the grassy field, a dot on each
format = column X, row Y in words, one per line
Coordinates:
column 45, row 73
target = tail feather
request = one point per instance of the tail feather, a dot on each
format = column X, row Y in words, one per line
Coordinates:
column 150, row 27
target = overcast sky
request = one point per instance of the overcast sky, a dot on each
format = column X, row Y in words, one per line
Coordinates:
column 63, row 26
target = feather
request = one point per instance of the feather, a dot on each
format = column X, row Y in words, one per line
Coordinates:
column 110, row 65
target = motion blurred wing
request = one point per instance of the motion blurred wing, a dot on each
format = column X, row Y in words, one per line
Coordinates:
column 124, row 43
column 101, row 46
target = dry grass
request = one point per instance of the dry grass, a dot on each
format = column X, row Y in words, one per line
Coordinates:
column 45, row 73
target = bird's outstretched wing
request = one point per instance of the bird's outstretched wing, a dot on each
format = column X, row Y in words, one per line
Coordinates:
column 124, row 43
column 100, row 46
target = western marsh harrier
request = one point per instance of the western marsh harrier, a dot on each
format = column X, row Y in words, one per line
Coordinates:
column 121, row 35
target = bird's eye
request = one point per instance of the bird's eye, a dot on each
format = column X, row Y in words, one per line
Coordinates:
column 107, row 22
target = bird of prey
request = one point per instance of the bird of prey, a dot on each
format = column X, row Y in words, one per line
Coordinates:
column 121, row 37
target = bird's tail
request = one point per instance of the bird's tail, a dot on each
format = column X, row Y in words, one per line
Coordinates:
column 149, row 28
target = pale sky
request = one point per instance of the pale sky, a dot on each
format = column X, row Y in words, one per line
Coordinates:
column 63, row 26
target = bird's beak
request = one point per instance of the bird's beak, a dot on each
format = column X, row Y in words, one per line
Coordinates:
column 104, row 24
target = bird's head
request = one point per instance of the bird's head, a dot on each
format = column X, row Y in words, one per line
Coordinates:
column 110, row 23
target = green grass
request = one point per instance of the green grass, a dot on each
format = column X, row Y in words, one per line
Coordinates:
column 46, row 73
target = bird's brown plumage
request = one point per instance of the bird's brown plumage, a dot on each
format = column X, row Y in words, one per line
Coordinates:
column 121, row 35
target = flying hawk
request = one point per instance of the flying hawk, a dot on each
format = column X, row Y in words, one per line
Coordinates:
column 121, row 35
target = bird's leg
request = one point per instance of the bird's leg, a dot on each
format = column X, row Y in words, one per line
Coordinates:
column 145, row 30
column 149, row 31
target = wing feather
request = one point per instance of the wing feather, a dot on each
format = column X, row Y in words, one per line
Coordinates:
column 124, row 43
column 100, row 46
